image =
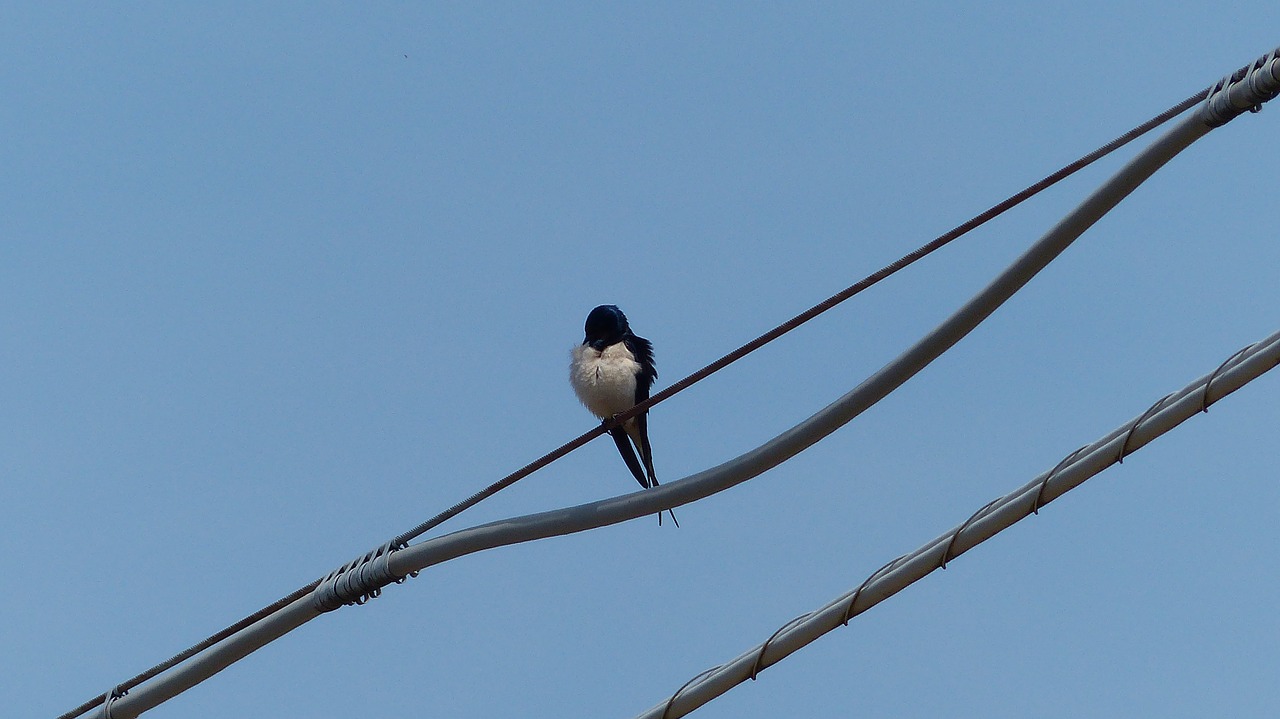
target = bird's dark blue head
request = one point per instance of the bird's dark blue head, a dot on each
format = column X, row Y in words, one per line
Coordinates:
column 606, row 325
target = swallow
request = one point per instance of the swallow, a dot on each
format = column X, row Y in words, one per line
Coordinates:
column 611, row 372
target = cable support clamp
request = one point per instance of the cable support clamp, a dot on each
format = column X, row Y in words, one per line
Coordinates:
column 115, row 693
column 1244, row 89
column 357, row 581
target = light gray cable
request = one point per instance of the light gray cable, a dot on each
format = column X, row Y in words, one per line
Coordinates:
column 998, row 515
column 708, row 482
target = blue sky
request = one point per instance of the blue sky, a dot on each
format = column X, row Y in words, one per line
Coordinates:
column 277, row 283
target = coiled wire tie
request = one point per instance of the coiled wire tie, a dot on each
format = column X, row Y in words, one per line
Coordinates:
column 1204, row 396
column 1035, row 506
column 1256, row 79
column 848, row 613
column 357, row 581
column 698, row 677
column 947, row 556
column 756, row 667
column 1262, row 83
column 1128, row 436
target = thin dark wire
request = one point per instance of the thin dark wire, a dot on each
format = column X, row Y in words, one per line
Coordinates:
column 195, row 649
column 685, row 383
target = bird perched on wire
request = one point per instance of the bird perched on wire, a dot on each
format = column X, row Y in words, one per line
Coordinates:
column 611, row 372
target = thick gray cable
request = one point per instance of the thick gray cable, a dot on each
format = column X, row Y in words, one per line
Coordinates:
column 996, row 516
column 703, row 484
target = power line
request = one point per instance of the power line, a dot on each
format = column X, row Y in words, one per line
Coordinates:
column 1077, row 467
column 387, row 565
column 347, row 591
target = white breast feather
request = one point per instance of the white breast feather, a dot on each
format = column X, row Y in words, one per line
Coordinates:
column 605, row 381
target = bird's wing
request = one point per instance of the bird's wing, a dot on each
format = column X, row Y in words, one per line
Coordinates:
column 628, row 455
column 642, row 350
column 641, row 438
